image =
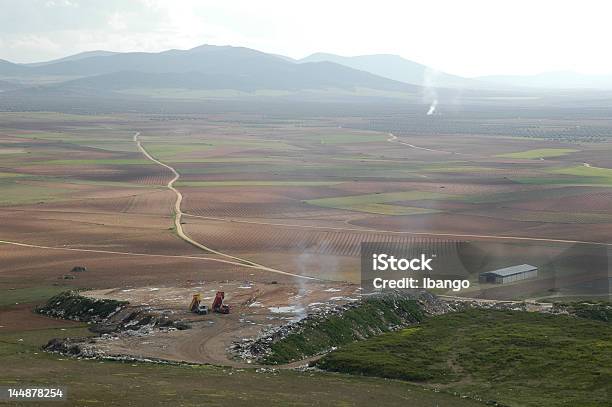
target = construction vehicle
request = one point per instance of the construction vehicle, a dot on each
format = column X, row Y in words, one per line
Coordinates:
column 218, row 306
column 196, row 305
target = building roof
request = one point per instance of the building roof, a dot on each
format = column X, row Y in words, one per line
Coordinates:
column 510, row 271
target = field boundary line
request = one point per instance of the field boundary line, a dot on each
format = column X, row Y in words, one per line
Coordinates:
column 169, row 256
column 397, row 232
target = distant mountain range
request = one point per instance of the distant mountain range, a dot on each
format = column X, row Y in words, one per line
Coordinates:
column 397, row 68
column 204, row 67
column 75, row 57
column 208, row 69
column 403, row 70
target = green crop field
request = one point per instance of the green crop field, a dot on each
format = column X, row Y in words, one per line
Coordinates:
column 28, row 294
column 539, row 153
column 377, row 203
column 386, row 209
column 513, row 358
column 594, row 175
column 578, row 175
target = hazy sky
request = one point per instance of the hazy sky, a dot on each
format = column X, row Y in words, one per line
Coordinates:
column 465, row 37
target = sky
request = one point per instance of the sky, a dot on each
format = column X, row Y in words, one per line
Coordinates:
column 466, row 37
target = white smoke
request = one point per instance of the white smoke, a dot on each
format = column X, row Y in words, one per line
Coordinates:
column 431, row 94
column 311, row 262
column 432, row 107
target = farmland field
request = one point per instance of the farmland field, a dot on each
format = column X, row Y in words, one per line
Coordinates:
column 272, row 201
column 405, row 204
column 258, row 186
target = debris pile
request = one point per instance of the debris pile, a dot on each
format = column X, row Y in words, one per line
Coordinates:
column 70, row 305
column 109, row 318
column 460, row 304
column 139, row 321
column 323, row 329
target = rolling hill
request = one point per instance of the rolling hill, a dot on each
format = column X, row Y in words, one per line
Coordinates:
column 204, row 67
column 75, row 57
column 397, row 68
column 10, row 69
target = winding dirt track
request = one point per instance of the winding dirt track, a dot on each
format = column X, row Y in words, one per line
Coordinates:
column 178, row 214
column 393, row 139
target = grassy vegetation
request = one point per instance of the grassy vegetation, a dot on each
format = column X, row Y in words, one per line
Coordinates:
column 514, row 358
column 595, row 310
column 106, row 383
column 539, row 153
column 371, row 317
column 594, row 175
column 569, row 181
column 28, row 295
column 578, row 175
column 372, row 203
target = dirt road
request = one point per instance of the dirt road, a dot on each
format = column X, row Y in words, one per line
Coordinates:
column 394, row 139
column 178, row 214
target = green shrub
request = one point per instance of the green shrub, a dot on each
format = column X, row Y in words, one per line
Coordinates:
column 370, row 317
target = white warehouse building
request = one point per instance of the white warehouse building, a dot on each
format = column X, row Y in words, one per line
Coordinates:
column 509, row 274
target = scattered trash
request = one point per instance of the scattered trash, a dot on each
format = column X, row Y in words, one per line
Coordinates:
column 290, row 309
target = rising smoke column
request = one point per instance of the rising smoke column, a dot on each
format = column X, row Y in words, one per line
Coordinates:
column 430, row 94
column 432, row 107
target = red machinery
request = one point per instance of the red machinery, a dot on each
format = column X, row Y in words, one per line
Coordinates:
column 218, row 306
